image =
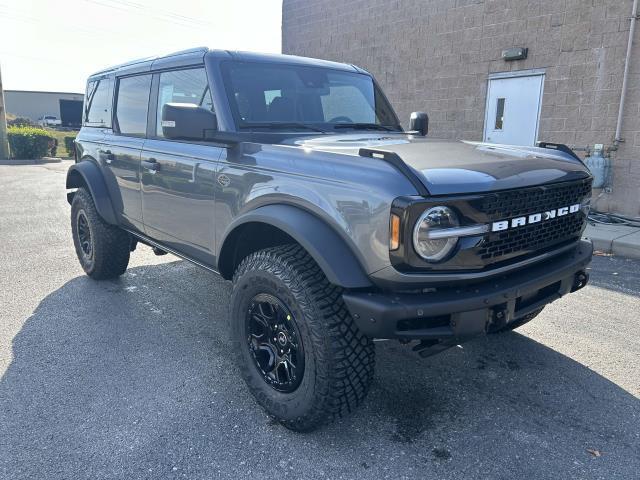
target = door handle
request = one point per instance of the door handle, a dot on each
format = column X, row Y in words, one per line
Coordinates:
column 107, row 155
column 152, row 165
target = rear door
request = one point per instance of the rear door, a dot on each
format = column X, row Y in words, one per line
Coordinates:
column 178, row 176
column 123, row 146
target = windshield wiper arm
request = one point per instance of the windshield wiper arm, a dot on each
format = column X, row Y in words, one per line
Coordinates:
column 279, row 125
column 364, row 126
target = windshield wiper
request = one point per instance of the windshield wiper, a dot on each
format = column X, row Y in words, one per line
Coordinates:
column 280, row 125
column 364, row 126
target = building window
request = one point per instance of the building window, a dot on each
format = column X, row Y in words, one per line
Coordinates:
column 499, row 114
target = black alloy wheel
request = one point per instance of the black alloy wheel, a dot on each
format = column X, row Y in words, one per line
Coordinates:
column 274, row 342
column 84, row 234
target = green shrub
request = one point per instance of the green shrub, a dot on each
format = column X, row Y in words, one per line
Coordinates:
column 29, row 142
column 70, row 146
column 20, row 122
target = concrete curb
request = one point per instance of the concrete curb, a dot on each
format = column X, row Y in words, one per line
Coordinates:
column 615, row 239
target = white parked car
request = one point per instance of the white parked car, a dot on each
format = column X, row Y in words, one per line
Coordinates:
column 49, row 121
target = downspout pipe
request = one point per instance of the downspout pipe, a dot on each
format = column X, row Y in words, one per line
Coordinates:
column 627, row 61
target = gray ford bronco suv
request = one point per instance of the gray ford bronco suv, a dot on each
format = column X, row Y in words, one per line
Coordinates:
column 293, row 178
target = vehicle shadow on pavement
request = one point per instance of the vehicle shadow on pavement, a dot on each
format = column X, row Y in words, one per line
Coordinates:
column 134, row 378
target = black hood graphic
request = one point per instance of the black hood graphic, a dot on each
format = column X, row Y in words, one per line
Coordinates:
column 449, row 167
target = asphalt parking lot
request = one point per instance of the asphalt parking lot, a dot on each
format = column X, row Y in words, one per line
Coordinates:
column 133, row 378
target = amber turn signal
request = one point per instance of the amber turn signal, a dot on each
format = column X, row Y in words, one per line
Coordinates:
column 394, row 229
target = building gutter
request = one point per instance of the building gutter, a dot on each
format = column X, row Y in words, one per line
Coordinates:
column 634, row 18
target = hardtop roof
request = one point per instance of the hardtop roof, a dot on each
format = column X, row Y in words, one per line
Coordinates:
column 147, row 64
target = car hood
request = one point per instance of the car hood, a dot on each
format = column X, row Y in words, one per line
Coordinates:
column 448, row 167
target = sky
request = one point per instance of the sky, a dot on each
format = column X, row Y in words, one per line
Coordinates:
column 53, row 45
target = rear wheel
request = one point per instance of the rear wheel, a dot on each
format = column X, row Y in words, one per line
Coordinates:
column 103, row 249
column 518, row 322
column 303, row 358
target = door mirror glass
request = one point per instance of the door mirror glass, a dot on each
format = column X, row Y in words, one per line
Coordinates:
column 419, row 122
column 188, row 121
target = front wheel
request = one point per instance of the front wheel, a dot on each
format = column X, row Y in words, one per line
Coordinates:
column 297, row 348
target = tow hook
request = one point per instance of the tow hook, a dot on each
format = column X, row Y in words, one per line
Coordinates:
column 499, row 316
column 580, row 280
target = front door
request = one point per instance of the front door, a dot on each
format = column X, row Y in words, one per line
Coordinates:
column 513, row 109
column 178, row 177
column 178, row 194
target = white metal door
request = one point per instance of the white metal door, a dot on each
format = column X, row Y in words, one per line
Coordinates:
column 513, row 109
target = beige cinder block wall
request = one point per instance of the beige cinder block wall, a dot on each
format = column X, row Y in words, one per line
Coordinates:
column 435, row 55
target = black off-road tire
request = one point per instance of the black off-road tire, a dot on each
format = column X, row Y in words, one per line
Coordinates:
column 109, row 246
column 518, row 322
column 338, row 359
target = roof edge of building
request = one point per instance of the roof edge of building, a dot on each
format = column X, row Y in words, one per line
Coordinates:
column 43, row 91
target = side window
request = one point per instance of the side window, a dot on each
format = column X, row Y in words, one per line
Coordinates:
column 97, row 103
column 270, row 95
column 182, row 86
column 132, row 104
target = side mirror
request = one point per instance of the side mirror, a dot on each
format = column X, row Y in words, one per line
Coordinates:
column 419, row 123
column 188, row 121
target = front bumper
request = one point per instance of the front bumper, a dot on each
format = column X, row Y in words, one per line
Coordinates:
column 452, row 315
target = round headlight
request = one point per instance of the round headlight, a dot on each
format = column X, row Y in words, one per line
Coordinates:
column 432, row 220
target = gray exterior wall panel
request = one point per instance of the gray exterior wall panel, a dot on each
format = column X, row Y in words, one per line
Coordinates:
column 34, row 105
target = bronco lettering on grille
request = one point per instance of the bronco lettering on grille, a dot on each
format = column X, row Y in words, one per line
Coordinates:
column 534, row 218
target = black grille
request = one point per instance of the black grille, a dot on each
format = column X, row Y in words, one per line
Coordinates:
column 514, row 203
column 537, row 236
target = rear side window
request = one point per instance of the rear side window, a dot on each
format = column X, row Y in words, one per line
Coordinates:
column 97, row 105
column 132, row 104
column 183, row 86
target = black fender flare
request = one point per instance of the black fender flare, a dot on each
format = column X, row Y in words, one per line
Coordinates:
column 87, row 173
column 330, row 251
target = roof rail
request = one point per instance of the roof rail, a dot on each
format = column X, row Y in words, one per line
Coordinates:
column 184, row 52
column 148, row 59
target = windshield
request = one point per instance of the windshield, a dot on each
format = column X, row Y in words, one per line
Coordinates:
column 272, row 96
